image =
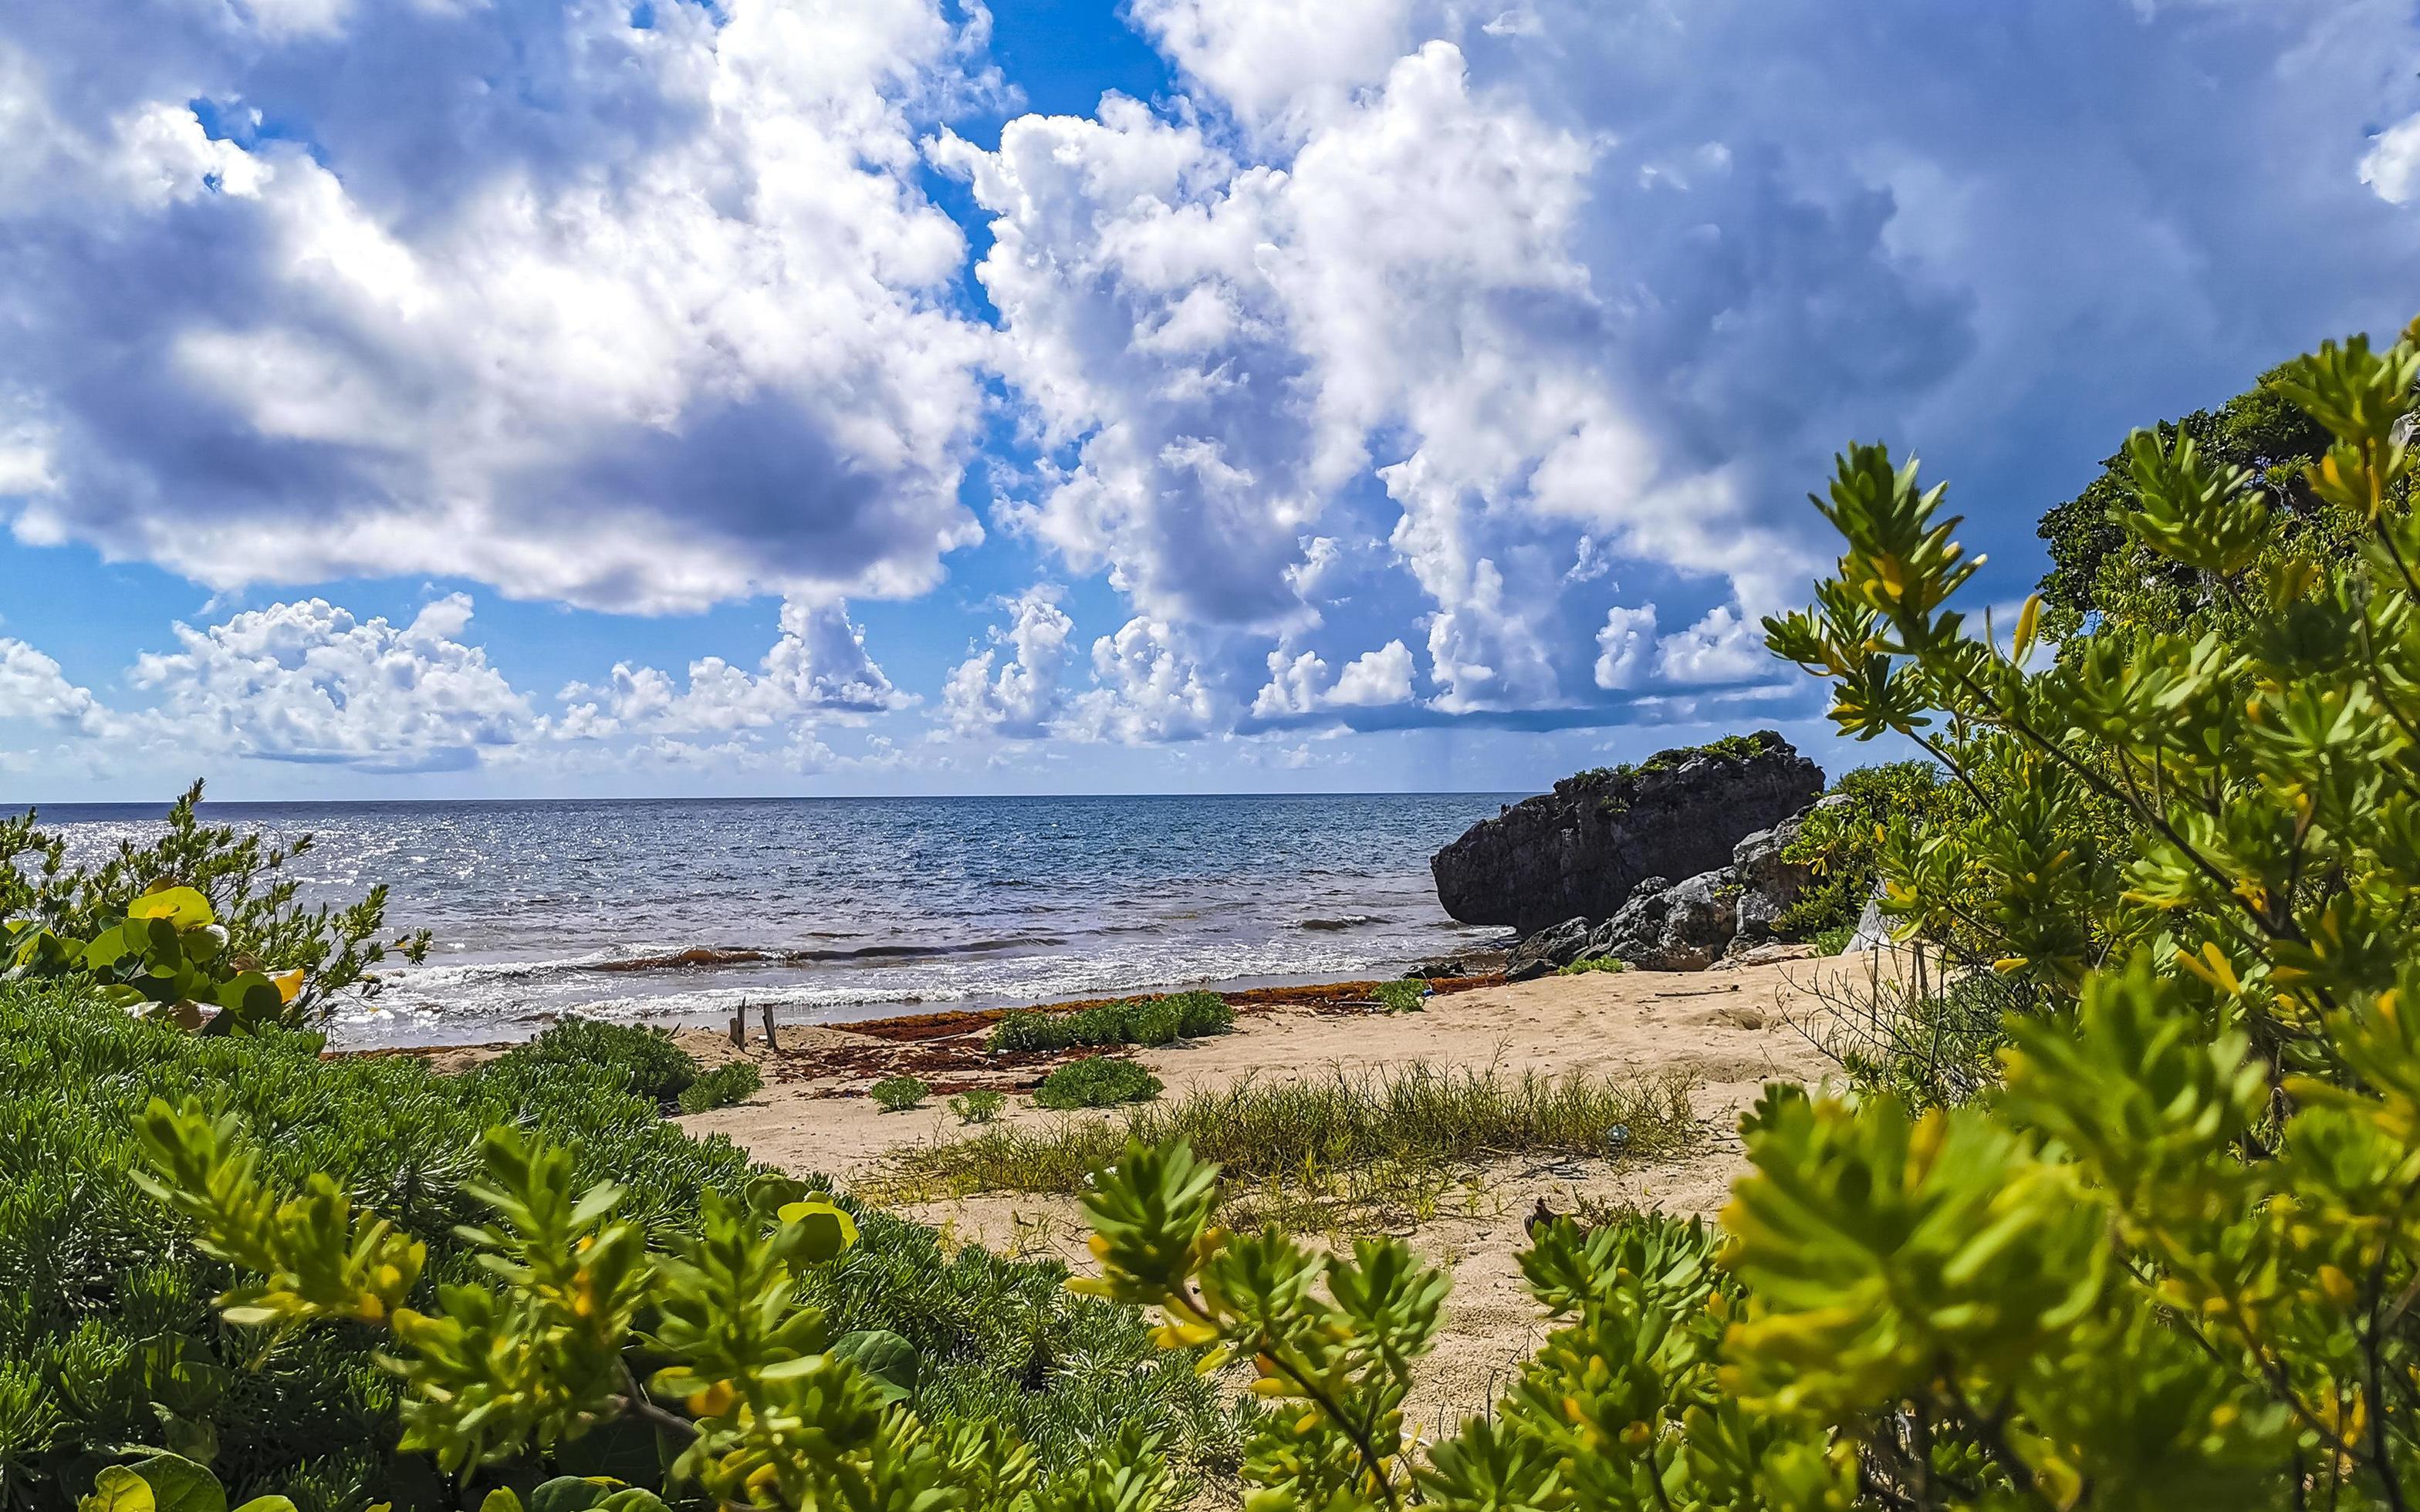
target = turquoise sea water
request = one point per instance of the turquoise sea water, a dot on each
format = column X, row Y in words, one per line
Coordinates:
column 838, row 908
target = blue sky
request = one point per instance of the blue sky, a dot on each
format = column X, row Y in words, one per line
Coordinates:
column 451, row 397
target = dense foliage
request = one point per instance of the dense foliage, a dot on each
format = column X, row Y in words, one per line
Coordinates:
column 108, row 1338
column 2099, row 571
column 1841, row 840
column 1147, row 1021
column 202, row 926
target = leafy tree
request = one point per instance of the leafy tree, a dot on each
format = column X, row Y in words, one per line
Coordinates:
column 2098, row 571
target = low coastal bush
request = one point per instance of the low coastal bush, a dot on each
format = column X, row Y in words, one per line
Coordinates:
column 598, row 1362
column 1096, row 1082
column 200, row 927
column 898, row 1094
column 108, row 1337
column 732, row 1082
column 980, row 1105
column 1201, row 1013
column 1351, row 1145
column 1587, row 965
column 637, row 1058
column 1146, row 1020
column 1400, row 997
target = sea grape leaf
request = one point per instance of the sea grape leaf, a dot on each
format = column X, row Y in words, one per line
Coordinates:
column 829, row 1231
column 890, row 1360
column 181, row 907
column 118, row 1488
column 592, row 1493
column 178, row 1485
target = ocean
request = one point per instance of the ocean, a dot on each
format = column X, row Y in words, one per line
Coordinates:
column 830, row 909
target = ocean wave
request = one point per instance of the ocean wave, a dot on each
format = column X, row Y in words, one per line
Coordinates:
column 1344, row 921
column 707, row 957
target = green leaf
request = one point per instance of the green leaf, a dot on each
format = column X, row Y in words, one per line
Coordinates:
column 582, row 1493
column 118, row 1488
column 890, row 1360
column 178, row 1485
column 180, row 907
column 829, row 1231
column 251, row 996
column 106, row 948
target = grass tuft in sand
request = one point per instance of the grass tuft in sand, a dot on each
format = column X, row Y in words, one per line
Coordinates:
column 1354, row 1149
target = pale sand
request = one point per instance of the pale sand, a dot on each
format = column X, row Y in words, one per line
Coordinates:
column 1729, row 1030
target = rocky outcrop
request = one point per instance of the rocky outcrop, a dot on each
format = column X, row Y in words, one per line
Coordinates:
column 1726, row 913
column 1548, row 949
column 1582, row 850
column 1685, row 927
column 1769, row 884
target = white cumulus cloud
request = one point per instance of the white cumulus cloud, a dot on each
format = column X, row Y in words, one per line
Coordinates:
column 310, row 682
column 636, row 317
column 1025, row 695
column 1149, row 690
column 33, row 686
column 819, row 664
column 2392, row 165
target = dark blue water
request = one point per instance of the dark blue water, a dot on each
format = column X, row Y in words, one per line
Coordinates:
column 838, row 908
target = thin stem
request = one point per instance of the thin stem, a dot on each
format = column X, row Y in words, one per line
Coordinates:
column 636, row 1403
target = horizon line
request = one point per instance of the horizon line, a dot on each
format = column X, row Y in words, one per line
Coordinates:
column 13, row 807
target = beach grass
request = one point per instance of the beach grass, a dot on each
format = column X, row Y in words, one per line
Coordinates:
column 1351, row 1150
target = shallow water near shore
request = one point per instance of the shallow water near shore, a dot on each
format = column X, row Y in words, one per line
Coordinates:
column 834, row 909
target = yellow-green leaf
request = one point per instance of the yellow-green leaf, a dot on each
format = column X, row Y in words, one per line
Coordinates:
column 182, row 907
column 118, row 1488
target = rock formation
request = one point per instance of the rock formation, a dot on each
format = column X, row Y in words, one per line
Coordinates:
column 1582, row 850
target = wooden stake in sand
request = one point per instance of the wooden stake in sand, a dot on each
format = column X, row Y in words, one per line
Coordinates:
column 768, row 1030
column 739, row 1028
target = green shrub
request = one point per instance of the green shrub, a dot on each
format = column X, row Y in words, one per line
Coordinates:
column 1026, row 1028
column 1587, row 965
column 1400, row 997
column 199, row 925
column 1149, row 1021
column 1155, row 1021
column 1201, row 1013
column 980, row 1106
column 535, row 1378
column 1097, row 1082
column 107, row 1334
column 1843, row 842
column 635, row 1058
column 897, row 1094
column 1834, row 940
column 734, row 1081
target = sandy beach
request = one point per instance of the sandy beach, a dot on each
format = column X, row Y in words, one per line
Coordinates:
column 1728, row 1031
